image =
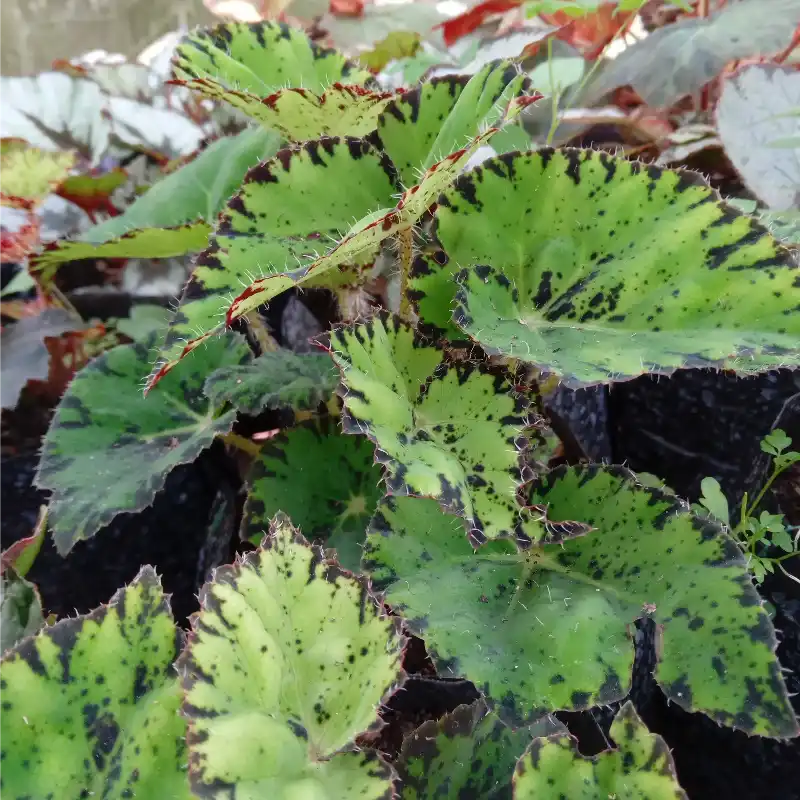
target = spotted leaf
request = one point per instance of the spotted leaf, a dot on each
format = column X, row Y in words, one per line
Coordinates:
column 259, row 59
column 600, row 269
column 283, row 213
column 371, row 230
column 641, row 766
column 90, row 704
column 28, row 174
column 438, row 117
column 109, row 449
column 549, row 628
column 326, row 482
column 174, row 216
column 288, row 661
column 277, row 379
column 300, row 114
column 447, row 431
column 467, row 753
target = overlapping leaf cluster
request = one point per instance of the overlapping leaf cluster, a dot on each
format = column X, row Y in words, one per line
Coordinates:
column 523, row 579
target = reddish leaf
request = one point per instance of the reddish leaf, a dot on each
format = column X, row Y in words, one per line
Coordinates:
column 17, row 246
column 347, row 8
column 92, row 192
column 458, row 27
column 69, row 353
column 66, row 66
column 590, row 33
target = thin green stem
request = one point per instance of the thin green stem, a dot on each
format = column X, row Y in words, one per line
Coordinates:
column 556, row 99
column 764, row 489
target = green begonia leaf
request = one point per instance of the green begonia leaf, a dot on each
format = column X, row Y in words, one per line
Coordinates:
column 260, row 58
column 437, row 117
column 285, row 209
column 300, row 114
column 90, row 704
column 20, row 609
column 174, row 216
column 328, row 483
column 624, row 269
column 468, row 753
column 109, row 449
column 451, row 432
column 276, row 379
column 372, row 229
column 547, row 628
column 641, row 767
column 289, row 659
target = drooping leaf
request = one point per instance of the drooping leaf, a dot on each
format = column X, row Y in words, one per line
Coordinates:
column 678, row 59
column 175, row 215
column 109, row 449
column 641, row 766
column 751, row 115
column 24, row 354
column 284, row 211
column 21, row 555
column 28, row 174
column 547, row 628
column 370, row 231
column 278, row 379
column 139, row 243
column 438, row 117
column 91, row 704
column 300, row 114
column 289, row 659
column 54, row 111
column 328, row 483
column 625, row 269
column 467, row 753
column 451, row 432
column 260, row 58
column 20, row 610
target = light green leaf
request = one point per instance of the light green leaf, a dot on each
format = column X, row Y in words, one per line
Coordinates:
column 640, row 767
column 260, row 59
column 627, row 269
column 175, row 215
column 368, row 233
column 775, row 442
column 289, row 659
column 714, row 500
column 547, row 628
column 278, row 379
column 300, row 115
column 451, row 432
column 90, row 704
column 680, row 58
column 328, row 483
column 468, row 753
column 20, row 609
column 752, row 122
column 109, row 449
column 287, row 207
column 436, row 118
column 781, row 538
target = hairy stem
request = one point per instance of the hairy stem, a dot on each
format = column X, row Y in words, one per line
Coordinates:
column 405, row 247
column 241, row 443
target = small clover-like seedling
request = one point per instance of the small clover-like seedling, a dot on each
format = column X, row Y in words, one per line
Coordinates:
column 754, row 532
